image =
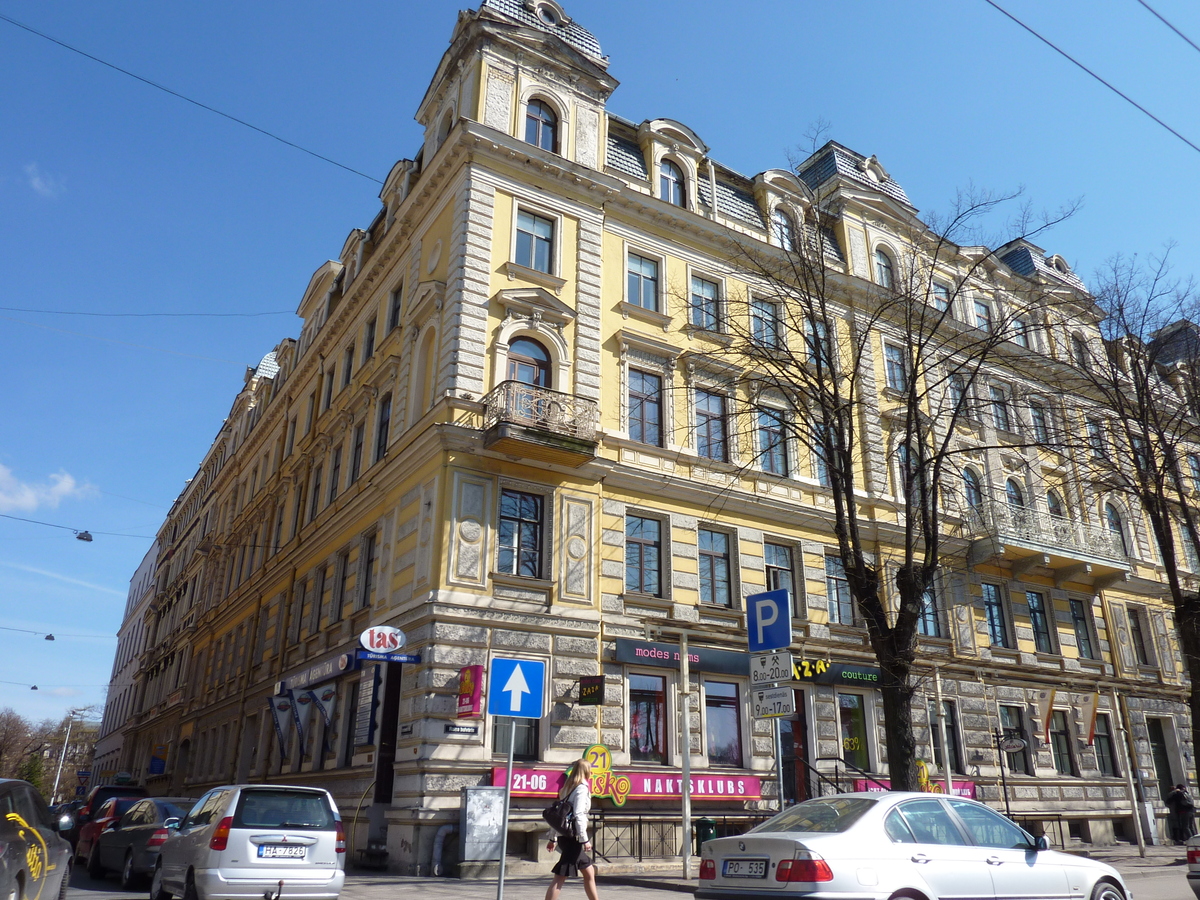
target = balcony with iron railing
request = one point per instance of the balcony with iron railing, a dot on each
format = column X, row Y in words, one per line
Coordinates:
column 1027, row 538
column 534, row 422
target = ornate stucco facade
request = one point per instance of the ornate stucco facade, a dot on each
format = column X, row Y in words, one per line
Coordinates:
column 506, row 428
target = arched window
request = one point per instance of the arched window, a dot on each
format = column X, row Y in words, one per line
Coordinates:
column 1115, row 526
column 1055, row 505
column 782, row 230
column 884, row 271
column 1014, row 494
column 541, row 125
column 971, row 488
column 528, row 363
column 670, row 183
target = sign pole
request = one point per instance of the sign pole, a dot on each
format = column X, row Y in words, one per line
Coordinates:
column 512, row 737
column 779, row 757
column 685, row 747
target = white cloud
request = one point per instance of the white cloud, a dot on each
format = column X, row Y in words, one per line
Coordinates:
column 43, row 182
column 63, row 578
column 26, row 496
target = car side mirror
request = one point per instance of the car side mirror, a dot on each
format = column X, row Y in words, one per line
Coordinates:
column 1042, row 843
column 66, row 822
column 172, row 823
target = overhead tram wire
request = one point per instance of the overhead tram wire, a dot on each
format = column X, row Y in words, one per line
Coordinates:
column 205, row 106
column 1073, row 60
column 77, row 531
column 1154, row 12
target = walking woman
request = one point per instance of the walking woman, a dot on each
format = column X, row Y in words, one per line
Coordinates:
column 575, row 849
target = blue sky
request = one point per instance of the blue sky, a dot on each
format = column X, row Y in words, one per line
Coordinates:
column 115, row 197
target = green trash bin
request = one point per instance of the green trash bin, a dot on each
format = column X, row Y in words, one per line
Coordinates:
column 706, row 830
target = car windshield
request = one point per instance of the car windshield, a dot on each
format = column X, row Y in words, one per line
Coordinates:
column 170, row 810
column 832, row 815
column 283, row 809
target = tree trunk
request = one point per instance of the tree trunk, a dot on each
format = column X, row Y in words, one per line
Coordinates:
column 1187, row 625
column 897, row 690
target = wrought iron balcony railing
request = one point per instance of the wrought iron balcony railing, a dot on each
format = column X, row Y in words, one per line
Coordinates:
column 1036, row 527
column 515, row 403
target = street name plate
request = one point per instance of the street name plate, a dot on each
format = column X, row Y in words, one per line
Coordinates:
column 769, row 668
column 772, row 703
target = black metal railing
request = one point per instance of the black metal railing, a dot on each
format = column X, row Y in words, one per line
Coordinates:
column 541, row 408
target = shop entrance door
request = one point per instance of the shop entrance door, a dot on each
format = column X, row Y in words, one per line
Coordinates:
column 797, row 786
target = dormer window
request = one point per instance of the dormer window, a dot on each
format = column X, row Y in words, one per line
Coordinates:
column 782, row 230
column 541, row 125
column 670, row 183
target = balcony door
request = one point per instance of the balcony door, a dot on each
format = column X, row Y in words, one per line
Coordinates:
column 528, row 363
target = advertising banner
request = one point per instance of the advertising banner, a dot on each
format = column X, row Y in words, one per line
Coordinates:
column 641, row 785
column 325, row 699
column 470, row 692
column 281, row 715
column 700, row 659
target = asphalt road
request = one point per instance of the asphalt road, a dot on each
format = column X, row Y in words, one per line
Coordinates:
column 1166, row 883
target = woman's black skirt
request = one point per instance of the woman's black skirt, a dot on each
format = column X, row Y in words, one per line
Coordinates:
column 573, row 859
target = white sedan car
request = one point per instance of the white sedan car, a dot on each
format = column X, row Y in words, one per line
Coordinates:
column 892, row 845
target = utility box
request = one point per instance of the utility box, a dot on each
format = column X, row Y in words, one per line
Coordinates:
column 482, row 818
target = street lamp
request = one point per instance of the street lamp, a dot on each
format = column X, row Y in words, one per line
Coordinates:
column 63, row 756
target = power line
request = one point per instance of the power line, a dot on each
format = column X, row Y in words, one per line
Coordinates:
column 133, row 315
column 1072, row 59
column 77, row 530
column 1162, row 19
column 55, row 634
column 168, row 90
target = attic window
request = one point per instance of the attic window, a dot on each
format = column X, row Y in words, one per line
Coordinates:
column 874, row 170
column 1060, row 265
column 548, row 13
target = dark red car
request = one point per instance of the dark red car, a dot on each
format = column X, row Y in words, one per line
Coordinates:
column 108, row 812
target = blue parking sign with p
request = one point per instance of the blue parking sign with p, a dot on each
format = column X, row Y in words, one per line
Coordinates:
column 516, row 687
column 769, row 621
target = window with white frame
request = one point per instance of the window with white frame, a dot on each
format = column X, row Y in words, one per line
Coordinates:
column 778, row 565
column 704, row 310
column 940, row 294
column 671, row 184
column 817, row 344
column 642, row 281
column 885, row 274
column 772, row 441
column 1001, row 414
column 711, row 425
column 783, row 230
column 895, row 367
column 535, row 242
column 645, row 407
column 765, row 325
column 983, row 315
column 837, row 590
column 541, row 125
column 520, row 533
column 644, row 554
column 716, row 574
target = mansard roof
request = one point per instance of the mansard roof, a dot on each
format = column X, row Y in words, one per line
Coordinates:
column 526, row 12
column 1029, row 260
column 833, row 160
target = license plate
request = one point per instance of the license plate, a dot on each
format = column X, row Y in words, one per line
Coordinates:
column 745, row 868
column 282, row 851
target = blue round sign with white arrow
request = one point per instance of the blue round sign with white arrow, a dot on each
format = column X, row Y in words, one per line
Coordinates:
column 516, row 687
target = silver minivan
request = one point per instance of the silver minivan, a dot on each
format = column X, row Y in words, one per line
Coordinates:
column 245, row 841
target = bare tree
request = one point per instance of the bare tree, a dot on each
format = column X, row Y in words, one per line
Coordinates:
column 881, row 434
column 1142, row 392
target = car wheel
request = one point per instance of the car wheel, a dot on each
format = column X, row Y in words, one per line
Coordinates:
column 93, row 864
column 157, row 891
column 129, row 878
column 1106, row 890
column 64, row 884
column 189, row 889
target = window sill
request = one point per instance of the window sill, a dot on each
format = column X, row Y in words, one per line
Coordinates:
column 708, row 334
column 1004, row 654
column 653, row 317
column 524, row 581
column 515, row 271
column 731, row 613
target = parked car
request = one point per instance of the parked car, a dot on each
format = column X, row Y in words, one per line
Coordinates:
column 888, row 844
column 95, row 799
column 1193, row 864
column 130, row 844
column 239, row 842
column 35, row 859
column 110, row 812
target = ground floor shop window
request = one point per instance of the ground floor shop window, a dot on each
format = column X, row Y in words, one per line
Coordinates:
column 647, row 718
column 952, row 739
column 1012, row 725
column 852, row 718
column 525, row 742
column 722, row 712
